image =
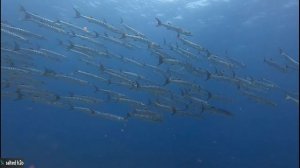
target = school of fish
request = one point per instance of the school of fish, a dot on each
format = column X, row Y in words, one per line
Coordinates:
column 157, row 80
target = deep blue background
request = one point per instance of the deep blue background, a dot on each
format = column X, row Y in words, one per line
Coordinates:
column 256, row 137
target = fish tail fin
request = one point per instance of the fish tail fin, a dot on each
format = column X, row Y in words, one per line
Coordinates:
column 178, row 35
column 121, row 20
column 160, row 60
column 238, row 85
column 108, row 81
column 107, row 52
column 57, row 97
column 182, row 92
column 96, row 34
column 16, row 46
column 60, row 42
column 71, row 107
column 48, row 72
column 265, row 59
column 280, row 50
column 233, row 74
column 71, row 45
column 167, row 81
column 209, row 95
column 123, row 36
column 127, row 115
column 105, row 34
column 96, row 88
column 22, row 9
column 137, row 84
column 57, row 21
column 77, row 13
column 101, row 67
column 174, row 110
column 72, row 33
column 26, row 17
column 19, row 94
column 158, row 22
column 208, row 75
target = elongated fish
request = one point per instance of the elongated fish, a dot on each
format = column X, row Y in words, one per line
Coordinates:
column 32, row 16
column 114, row 40
column 88, row 39
column 132, row 30
column 99, row 114
column 192, row 44
column 290, row 59
column 14, row 35
column 104, row 24
column 293, row 99
column 92, row 75
column 275, row 65
column 173, row 28
column 145, row 115
column 21, row 31
column 75, row 27
column 259, row 99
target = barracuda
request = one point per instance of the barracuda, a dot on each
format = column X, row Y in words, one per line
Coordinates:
column 259, row 99
column 92, row 75
column 14, row 35
column 173, row 28
column 21, row 31
column 88, row 39
column 293, row 99
column 146, row 115
column 290, row 59
column 132, row 30
column 114, row 40
column 275, row 65
column 104, row 24
column 70, row 25
column 99, row 114
column 31, row 16
column 192, row 44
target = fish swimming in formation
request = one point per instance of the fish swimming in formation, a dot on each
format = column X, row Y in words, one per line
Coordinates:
column 177, row 78
column 290, row 59
column 275, row 65
column 168, row 26
column 293, row 99
column 104, row 24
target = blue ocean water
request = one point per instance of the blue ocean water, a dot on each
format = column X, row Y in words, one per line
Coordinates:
column 255, row 136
